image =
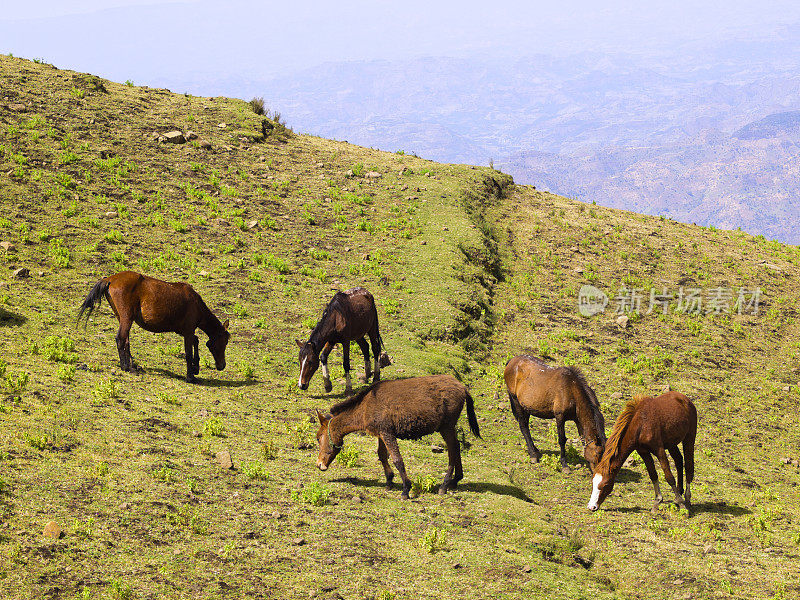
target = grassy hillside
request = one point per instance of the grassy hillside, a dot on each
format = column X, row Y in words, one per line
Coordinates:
column 467, row 270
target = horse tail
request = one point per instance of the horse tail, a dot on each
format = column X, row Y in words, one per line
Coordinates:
column 94, row 298
column 473, row 421
column 384, row 360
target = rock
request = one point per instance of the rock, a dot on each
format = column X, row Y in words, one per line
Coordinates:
column 786, row 460
column 125, row 506
column 795, row 462
column 299, row 541
column 356, row 500
column 8, row 246
column 203, row 273
column 666, row 388
column 21, row 273
column 174, row 137
column 111, row 214
column 616, row 396
column 709, row 549
column 190, row 135
column 224, row 459
column 372, row 175
column 622, row 321
column 526, row 569
column 252, row 224
column 456, row 565
column 786, row 388
column 204, row 145
column 222, row 125
column 579, row 270
column 223, row 222
column 52, row 530
column 437, row 449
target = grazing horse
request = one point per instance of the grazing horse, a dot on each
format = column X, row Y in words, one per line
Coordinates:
column 349, row 316
column 650, row 426
column 546, row 392
column 401, row 409
column 158, row 306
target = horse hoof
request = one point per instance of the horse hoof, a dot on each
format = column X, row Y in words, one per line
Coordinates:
column 535, row 459
column 566, row 470
column 328, row 387
column 404, row 496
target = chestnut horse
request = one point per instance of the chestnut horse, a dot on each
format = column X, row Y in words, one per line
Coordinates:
column 349, row 316
column 401, row 409
column 158, row 306
column 546, row 392
column 650, row 426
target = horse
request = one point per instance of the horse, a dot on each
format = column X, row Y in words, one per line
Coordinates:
column 349, row 316
column 400, row 409
column 158, row 306
column 650, row 426
column 535, row 388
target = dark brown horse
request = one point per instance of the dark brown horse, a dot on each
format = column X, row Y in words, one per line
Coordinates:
column 349, row 316
column 158, row 306
column 401, row 409
column 537, row 389
column 650, row 426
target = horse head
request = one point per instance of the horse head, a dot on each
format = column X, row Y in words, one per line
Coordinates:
column 602, row 484
column 309, row 363
column 327, row 448
column 593, row 452
column 217, row 345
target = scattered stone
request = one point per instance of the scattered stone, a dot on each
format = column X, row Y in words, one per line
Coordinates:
column 197, row 434
column 52, row 530
column 356, row 499
column 456, row 565
column 678, row 582
column 8, row 246
column 786, row 388
column 795, row 462
column 320, row 165
column 203, row 273
column 437, row 449
column 276, row 515
column 17, row 107
column 616, row 396
column 579, row 270
column 222, row 125
column 21, row 273
column 709, row 549
column 223, row 222
column 125, row 506
column 372, row 175
column 204, row 145
column 224, row 459
column 526, row 569
column 786, row 460
column 190, row 135
column 174, row 137
column 423, row 243
column 347, row 248
column 622, row 321
column 112, row 214
column 299, row 541
column 666, row 388
column 252, row 224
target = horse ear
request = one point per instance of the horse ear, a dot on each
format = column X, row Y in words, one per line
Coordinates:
column 299, row 345
column 320, row 417
column 226, row 323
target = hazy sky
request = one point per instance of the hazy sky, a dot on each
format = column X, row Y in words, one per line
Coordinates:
column 144, row 39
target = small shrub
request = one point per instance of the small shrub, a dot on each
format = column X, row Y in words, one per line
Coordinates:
column 433, row 540
column 424, row 483
column 165, row 474
column 247, row 371
column 257, row 105
column 314, row 493
column 66, row 373
column 255, row 470
column 347, row 457
column 105, row 390
column 119, row 590
column 213, row 427
column 40, row 442
column 269, row 451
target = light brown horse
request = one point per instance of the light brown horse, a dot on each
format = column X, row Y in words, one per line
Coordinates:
column 401, row 409
column 158, row 306
column 650, row 426
column 349, row 316
column 559, row 393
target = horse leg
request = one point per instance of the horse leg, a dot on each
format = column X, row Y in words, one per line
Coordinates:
column 124, row 343
column 662, row 458
column 348, row 387
column 455, row 472
column 383, row 456
column 394, row 453
column 188, row 346
column 562, row 441
column 651, row 471
column 196, row 345
column 362, row 343
column 323, row 359
column 376, row 352
column 688, row 451
column 523, row 419
column 676, row 456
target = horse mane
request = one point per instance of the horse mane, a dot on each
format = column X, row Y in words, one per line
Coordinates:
column 620, row 427
column 332, row 305
column 594, row 405
column 351, row 401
